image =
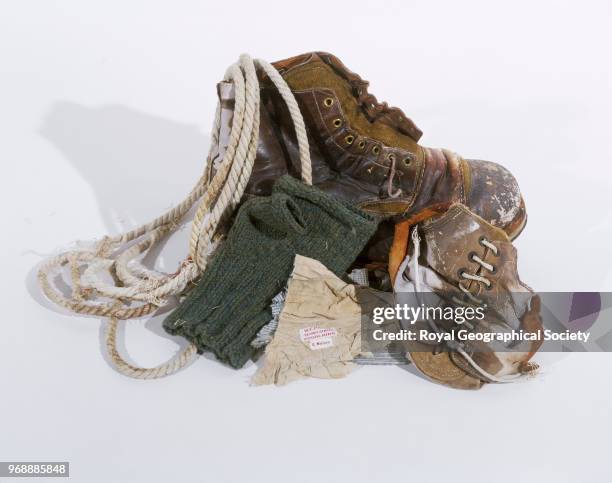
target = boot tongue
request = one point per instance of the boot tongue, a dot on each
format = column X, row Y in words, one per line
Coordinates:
column 392, row 116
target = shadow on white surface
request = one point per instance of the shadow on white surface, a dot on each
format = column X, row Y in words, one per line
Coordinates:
column 133, row 162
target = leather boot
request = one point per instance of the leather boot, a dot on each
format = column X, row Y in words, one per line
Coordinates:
column 464, row 261
column 368, row 153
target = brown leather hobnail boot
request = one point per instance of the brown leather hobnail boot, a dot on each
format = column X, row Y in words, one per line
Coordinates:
column 368, row 153
column 463, row 261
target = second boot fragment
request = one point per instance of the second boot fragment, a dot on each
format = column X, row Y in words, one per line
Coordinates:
column 460, row 260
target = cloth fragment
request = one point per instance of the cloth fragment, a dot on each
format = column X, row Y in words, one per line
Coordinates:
column 318, row 304
column 265, row 334
column 358, row 275
column 319, row 329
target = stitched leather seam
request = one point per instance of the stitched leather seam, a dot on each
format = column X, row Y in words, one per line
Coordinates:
column 446, row 218
column 419, row 182
column 462, row 195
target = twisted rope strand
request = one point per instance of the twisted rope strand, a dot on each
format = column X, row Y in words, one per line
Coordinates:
column 173, row 365
column 138, row 291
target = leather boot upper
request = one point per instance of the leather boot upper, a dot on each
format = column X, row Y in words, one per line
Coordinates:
column 467, row 262
column 367, row 153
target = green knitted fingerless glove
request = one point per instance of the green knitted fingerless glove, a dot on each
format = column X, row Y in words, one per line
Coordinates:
column 230, row 303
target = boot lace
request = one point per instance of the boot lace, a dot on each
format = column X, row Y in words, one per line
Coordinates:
column 476, row 277
column 458, row 346
column 374, row 110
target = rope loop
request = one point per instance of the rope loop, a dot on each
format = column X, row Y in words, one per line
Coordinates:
column 137, row 291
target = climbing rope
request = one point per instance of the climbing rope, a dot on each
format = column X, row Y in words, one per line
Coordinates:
column 138, row 291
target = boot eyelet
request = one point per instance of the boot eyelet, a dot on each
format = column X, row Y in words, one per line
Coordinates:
column 349, row 139
column 375, row 150
column 471, row 256
column 328, row 101
column 391, row 157
column 407, row 161
column 337, row 122
column 362, row 144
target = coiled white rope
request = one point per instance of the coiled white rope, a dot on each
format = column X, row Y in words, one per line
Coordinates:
column 138, row 291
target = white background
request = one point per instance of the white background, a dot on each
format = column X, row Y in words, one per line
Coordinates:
column 105, row 109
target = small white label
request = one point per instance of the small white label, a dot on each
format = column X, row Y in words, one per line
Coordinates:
column 318, row 338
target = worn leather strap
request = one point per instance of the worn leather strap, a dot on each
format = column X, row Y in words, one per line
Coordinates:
column 399, row 248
